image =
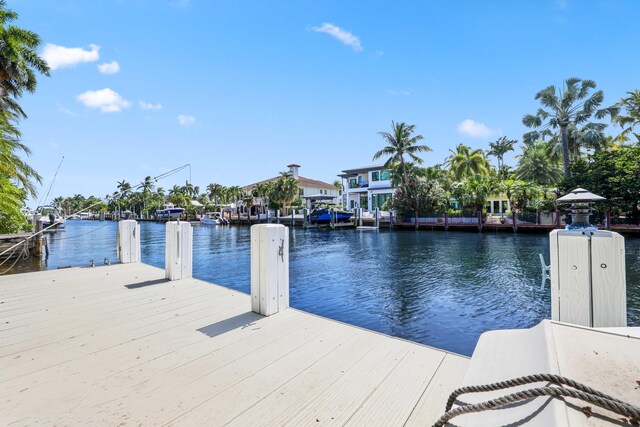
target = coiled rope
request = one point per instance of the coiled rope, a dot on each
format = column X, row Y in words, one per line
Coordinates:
column 577, row 391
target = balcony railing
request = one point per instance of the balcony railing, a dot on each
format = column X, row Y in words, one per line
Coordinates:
column 363, row 184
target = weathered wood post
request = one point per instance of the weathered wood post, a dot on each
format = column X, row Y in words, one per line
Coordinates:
column 37, row 228
column 332, row 218
column 514, row 217
column 360, row 217
column 128, row 241
column 479, row 215
column 305, row 219
column 293, row 218
column 377, row 217
column 446, row 220
column 269, row 268
column 277, row 216
column 179, row 250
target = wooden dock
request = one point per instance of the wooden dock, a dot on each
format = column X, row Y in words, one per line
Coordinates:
column 120, row 345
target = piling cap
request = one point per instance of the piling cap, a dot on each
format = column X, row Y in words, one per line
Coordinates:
column 580, row 195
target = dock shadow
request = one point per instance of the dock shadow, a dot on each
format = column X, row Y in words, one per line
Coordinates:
column 241, row 321
column 146, row 283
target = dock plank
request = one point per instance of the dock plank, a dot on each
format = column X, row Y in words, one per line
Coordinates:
column 91, row 351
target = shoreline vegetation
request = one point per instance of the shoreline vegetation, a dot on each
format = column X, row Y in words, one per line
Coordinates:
column 567, row 147
column 19, row 64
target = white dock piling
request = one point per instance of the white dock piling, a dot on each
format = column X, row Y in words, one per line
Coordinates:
column 269, row 268
column 178, row 250
column 128, row 241
column 588, row 279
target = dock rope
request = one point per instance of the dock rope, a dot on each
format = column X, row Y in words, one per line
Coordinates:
column 577, row 391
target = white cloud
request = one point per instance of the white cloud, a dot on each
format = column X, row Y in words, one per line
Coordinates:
column 186, row 120
column 64, row 57
column 399, row 93
column 106, row 100
column 149, row 105
column 109, row 67
column 474, row 129
column 340, row 34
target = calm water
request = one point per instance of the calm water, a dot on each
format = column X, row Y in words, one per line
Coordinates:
column 439, row 288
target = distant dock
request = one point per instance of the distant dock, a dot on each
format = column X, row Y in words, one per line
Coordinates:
column 120, row 344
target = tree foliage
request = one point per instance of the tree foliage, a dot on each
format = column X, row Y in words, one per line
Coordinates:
column 612, row 174
column 400, row 142
column 565, row 118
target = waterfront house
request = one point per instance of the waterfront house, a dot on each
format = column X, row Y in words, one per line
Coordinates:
column 311, row 190
column 368, row 187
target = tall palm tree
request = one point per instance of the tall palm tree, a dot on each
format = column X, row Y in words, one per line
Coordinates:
column 19, row 61
column 125, row 188
column 568, row 108
column 401, row 142
column 631, row 119
column 465, row 162
column 146, row 186
column 499, row 148
column 536, row 165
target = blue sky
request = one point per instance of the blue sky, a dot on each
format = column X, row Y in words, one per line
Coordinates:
column 240, row 89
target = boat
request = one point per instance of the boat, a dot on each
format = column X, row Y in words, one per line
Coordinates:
column 211, row 218
column 320, row 216
column 169, row 213
column 50, row 217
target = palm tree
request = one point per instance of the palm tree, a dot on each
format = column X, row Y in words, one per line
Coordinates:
column 125, row 188
column 400, row 142
column 465, row 162
column 499, row 148
column 631, row 120
column 535, row 165
column 11, row 165
column 19, row 61
column 147, row 186
column 214, row 191
column 569, row 111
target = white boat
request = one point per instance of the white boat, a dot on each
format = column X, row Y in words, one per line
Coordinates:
column 211, row 218
column 169, row 213
column 49, row 217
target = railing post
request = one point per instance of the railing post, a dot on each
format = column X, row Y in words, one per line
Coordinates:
column 128, row 241
column 269, row 268
column 178, row 250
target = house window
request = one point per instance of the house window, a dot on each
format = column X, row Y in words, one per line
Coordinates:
column 385, row 176
column 301, row 192
column 353, row 183
column 496, row 206
column 375, row 176
column 378, row 200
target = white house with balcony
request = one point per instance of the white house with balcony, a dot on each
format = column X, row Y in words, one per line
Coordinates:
column 367, row 187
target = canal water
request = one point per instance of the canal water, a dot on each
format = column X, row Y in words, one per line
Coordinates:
column 438, row 288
